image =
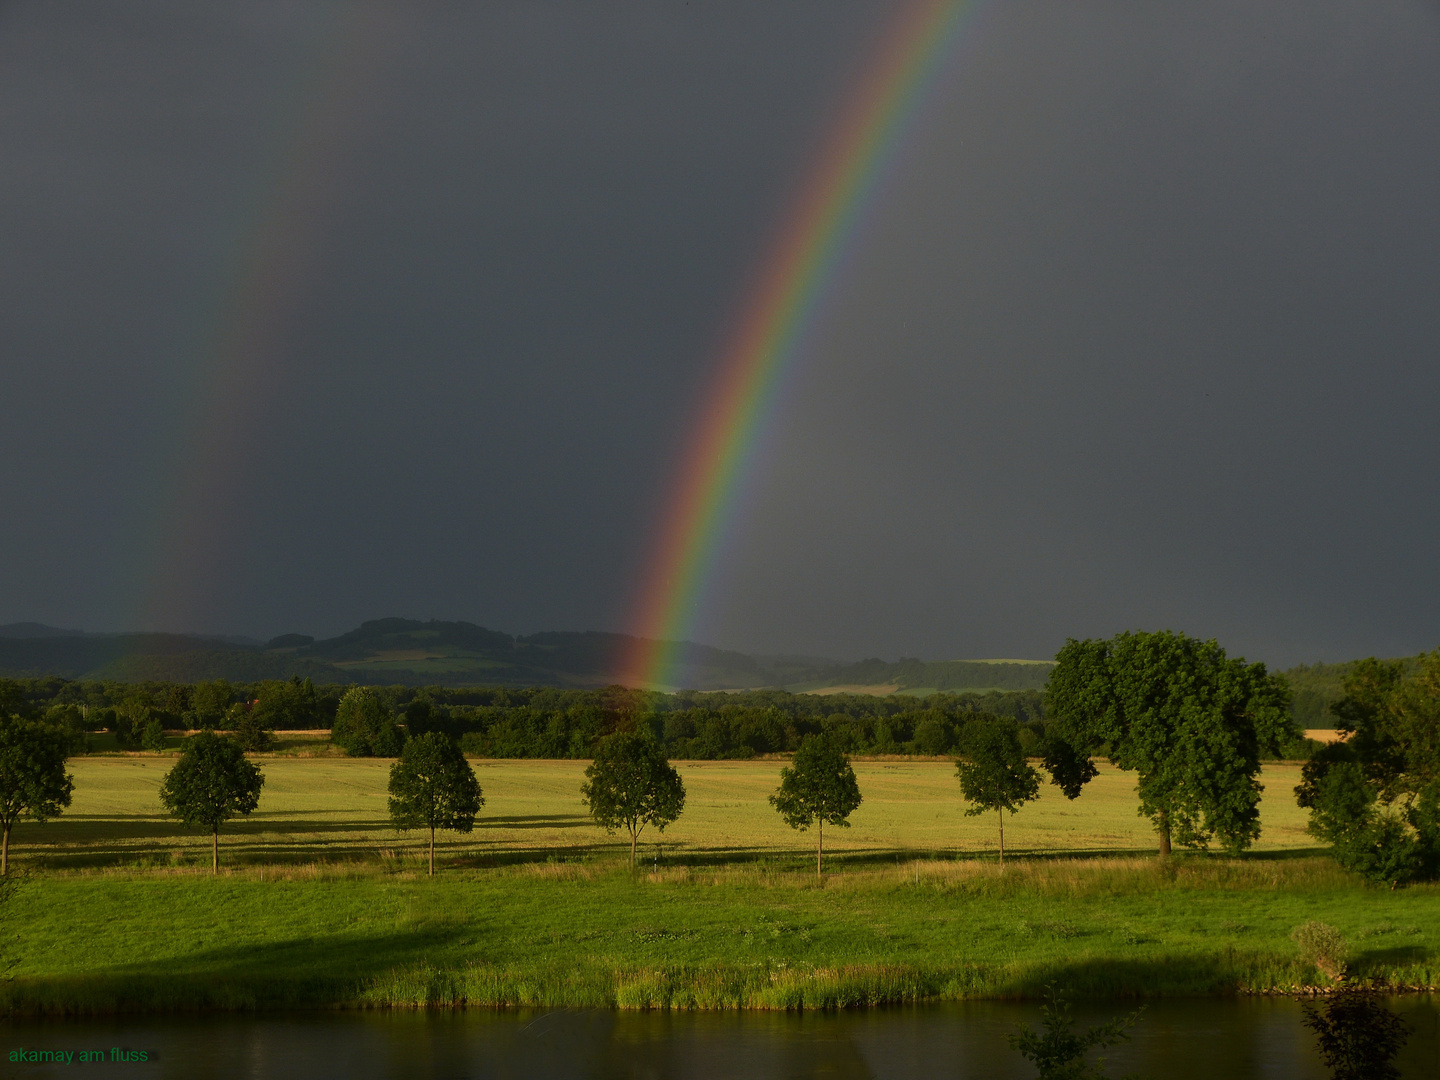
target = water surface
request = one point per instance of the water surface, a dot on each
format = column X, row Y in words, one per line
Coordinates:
column 1175, row 1040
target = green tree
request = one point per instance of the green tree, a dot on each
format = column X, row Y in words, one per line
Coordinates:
column 1376, row 796
column 210, row 784
column 152, row 737
column 288, row 706
column 132, row 717
column 13, row 701
column 1189, row 720
column 178, row 699
column 248, row 728
column 33, row 780
column 209, row 702
column 997, row 776
column 629, row 785
column 818, row 787
column 432, row 786
column 934, row 733
column 70, row 719
column 365, row 726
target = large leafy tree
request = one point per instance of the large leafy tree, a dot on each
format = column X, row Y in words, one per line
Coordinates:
column 211, row 783
column 1376, row 795
column 33, row 780
column 996, row 776
column 629, row 785
column 209, row 702
column 1189, row 720
column 365, row 726
column 287, row 705
column 432, row 786
column 818, row 788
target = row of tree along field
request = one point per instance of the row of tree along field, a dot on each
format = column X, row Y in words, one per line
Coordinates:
column 543, row 722
column 1190, row 722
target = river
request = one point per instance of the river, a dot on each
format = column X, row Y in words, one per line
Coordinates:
column 1225, row 1039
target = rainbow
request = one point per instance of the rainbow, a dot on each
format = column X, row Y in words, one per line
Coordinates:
column 790, row 287
column 237, row 356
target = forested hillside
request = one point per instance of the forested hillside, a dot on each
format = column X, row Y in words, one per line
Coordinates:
column 1316, row 686
column 456, row 654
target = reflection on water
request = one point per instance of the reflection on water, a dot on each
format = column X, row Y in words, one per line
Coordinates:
column 1175, row 1040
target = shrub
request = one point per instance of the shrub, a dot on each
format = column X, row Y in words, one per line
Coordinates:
column 1376, row 796
column 1322, row 945
column 1058, row 1051
column 1389, row 845
column 1358, row 1037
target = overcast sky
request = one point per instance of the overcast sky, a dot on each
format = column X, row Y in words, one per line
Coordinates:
column 313, row 312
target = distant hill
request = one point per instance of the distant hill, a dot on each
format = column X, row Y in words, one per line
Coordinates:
column 435, row 653
column 36, row 630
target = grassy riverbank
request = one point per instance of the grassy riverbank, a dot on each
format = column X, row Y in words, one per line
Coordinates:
column 575, row 934
column 321, row 903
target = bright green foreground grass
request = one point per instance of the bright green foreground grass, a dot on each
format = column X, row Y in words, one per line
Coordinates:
column 557, row 934
column 323, row 904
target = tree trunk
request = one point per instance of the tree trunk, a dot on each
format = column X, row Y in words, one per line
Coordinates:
column 634, row 838
column 432, row 850
column 1001, row 812
column 5, row 851
column 819, row 848
column 215, row 851
column 1163, row 827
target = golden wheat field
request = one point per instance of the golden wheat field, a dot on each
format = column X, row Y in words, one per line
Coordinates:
column 334, row 809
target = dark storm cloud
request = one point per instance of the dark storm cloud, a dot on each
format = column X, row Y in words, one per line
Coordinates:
column 1142, row 332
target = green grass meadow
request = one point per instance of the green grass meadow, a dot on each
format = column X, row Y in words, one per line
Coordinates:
column 321, row 903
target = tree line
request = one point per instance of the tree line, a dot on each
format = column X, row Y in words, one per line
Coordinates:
column 545, row 722
column 541, row 722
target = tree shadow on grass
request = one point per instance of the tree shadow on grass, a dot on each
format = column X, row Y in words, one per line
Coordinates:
column 1283, row 855
column 1231, row 971
column 536, row 821
column 501, row 857
column 1369, row 961
column 1168, row 976
column 73, row 829
column 302, row 971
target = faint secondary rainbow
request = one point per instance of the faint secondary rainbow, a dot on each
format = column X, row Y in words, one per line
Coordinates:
column 792, row 282
column 237, row 362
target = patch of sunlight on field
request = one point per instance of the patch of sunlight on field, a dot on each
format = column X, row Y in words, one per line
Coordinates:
column 334, row 809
